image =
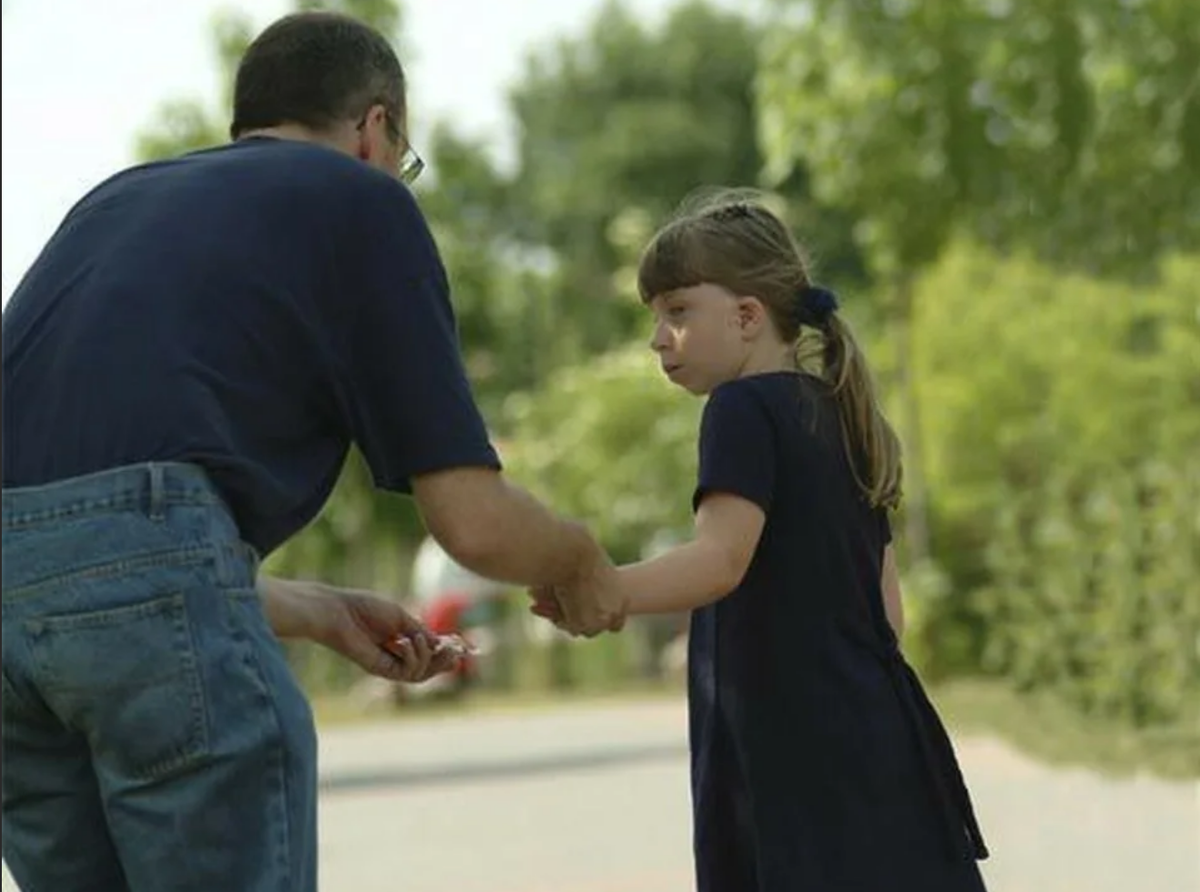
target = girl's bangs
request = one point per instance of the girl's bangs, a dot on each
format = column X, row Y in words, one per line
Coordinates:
column 669, row 263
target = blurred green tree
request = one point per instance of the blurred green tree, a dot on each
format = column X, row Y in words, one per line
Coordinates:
column 614, row 127
column 1061, row 424
column 1094, row 110
column 183, row 125
column 624, row 121
column 503, row 290
column 572, row 444
column 1065, row 127
column 1066, row 131
column 874, row 98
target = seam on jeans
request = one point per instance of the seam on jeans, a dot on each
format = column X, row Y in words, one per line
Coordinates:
column 199, row 706
column 93, row 506
column 284, row 860
column 11, row 692
column 175, row 557
column 285, row 803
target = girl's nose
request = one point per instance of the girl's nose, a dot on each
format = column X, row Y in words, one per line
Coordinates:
column 658, row 339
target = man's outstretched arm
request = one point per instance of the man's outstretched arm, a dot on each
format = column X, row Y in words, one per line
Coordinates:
column 500, row 531
column 376, row 633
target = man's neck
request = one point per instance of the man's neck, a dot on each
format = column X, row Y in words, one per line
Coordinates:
column 295, row 132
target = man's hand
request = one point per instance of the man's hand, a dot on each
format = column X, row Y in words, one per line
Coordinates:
column 383, row 638
column 594, row 602
column 376, row 633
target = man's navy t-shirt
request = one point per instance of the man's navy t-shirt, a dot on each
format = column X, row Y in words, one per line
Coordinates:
column 252, row 309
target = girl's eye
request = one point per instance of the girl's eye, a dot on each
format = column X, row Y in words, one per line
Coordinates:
column 675, row 313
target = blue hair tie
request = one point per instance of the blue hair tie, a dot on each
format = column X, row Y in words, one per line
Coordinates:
column 816, row 305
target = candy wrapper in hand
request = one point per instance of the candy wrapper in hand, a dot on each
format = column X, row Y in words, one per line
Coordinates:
column 456, row 645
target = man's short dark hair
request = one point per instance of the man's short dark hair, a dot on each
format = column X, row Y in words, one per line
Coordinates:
column 315, row 69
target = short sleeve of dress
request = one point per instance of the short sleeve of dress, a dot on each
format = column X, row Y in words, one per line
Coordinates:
column 737, row 446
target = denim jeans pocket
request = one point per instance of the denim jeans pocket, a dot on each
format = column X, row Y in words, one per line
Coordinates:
column 128, row 678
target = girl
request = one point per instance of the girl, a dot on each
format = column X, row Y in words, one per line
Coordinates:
column 818, row 764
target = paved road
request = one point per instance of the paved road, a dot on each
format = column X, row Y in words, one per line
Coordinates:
column 594, row 799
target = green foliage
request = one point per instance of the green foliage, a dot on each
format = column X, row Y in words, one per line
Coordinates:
column 1066, row 126
column 676, row 110
column 1025, row 372
column 613, row 444
column 1095, row 593
column 1061, row 423
column 362, row 537
column 869, row 96
column 186, row 125
column 1136, row 192
column 386, row 16
column 874, row 98
column 181, row 126
column 541, row 258
column 626, row 119
column 511, row 327
column 1062, row 130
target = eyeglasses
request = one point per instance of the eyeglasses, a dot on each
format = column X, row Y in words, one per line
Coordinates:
column 411, row 164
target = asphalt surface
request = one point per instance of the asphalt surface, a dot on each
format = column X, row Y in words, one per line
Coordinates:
column 595, row 799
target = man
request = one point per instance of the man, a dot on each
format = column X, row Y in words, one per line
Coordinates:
column 185, row 367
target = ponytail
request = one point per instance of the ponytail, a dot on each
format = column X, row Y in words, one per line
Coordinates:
column 871, row 444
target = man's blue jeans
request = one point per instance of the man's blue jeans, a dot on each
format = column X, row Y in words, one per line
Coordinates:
column 154, row 735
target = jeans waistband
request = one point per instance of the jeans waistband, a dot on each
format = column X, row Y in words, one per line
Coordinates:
column 151, row 487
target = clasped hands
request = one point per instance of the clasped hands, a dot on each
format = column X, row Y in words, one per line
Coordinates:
column 594, row 601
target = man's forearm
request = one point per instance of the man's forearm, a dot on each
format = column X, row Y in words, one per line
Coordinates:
column 500, row 531
column 291, row 607
column 526, row 543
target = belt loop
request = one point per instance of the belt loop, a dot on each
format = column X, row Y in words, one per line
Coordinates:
column 252, row 557
column 158, row 495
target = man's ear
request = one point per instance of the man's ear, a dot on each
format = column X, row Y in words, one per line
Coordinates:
column 752, row 315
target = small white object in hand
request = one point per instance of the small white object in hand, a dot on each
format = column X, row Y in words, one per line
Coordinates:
column 458, row 645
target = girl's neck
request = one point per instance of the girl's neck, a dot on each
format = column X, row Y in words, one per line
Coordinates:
column 779, row 358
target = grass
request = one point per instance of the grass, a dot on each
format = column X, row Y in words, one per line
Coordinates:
column 1054, row 734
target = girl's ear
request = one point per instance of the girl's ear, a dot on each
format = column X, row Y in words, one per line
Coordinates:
column 751, row 315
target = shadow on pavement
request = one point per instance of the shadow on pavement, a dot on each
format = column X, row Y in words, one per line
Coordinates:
column 351, row 781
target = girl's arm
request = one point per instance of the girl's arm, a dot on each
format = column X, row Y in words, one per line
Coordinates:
column 704, row 570
column 892, row 603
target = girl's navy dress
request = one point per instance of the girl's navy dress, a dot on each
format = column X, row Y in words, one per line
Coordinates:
column 818, row 763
